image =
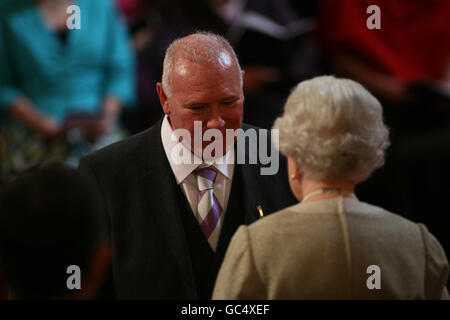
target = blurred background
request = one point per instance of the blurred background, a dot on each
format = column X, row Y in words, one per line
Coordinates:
column 67, row 93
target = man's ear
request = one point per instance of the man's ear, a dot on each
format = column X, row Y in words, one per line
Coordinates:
column 162, row 98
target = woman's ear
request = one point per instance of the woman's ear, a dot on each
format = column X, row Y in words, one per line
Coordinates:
column 295, row 171
column 295, row 178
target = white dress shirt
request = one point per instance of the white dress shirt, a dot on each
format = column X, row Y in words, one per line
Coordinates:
column 187, row 180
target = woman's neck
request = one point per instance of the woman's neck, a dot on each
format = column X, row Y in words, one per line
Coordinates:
column 336, row 188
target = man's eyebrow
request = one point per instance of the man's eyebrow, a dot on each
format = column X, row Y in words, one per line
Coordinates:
column 196, row 104
column 231, row 97
column 204, row 103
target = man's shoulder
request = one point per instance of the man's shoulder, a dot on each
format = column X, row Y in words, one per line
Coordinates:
column 262, row 135
column 246, row 126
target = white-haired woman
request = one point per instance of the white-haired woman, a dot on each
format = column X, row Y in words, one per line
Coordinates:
column 330, row 245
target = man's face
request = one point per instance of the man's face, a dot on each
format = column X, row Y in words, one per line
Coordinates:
column 210, row 93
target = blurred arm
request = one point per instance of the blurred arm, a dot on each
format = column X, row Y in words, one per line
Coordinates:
column 120, row 73
column 23, row 110
column 8, row 92
column 447, row 73
column 238, row 277
column 14, row 103
column 381, row 84
column 437, row 268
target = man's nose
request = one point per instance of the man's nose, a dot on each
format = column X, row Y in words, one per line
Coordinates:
column 215, row 121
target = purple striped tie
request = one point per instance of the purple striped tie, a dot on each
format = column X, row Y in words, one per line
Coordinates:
column 208, row 206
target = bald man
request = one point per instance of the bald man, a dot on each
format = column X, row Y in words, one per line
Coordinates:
column 170, row 221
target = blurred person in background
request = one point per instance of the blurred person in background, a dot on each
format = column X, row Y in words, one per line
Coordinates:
column 61, row 90
column 2, row 145
column 411, row 49
column 333, row 134
column 273, row 39
column 49, row 220
column 406, row 64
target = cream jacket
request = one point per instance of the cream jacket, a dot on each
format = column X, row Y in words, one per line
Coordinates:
column 333, row 249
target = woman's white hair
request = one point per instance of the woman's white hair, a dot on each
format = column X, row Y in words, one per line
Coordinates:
column 333, row 128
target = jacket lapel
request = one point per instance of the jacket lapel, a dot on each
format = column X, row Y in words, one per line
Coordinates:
column 167, row 216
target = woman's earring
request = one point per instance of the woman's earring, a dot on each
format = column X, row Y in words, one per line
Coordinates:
column 293, row 176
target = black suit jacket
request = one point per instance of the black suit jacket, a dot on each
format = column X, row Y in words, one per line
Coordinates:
column 142, row 214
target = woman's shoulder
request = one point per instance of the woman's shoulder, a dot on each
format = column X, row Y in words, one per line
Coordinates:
column 287, row 222
column 373, row 212
column 307, row 215
column 276, row 217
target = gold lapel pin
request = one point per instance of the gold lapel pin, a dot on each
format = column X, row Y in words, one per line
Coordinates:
column 261, row 213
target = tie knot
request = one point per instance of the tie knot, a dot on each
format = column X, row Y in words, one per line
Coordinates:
column 205, row 178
